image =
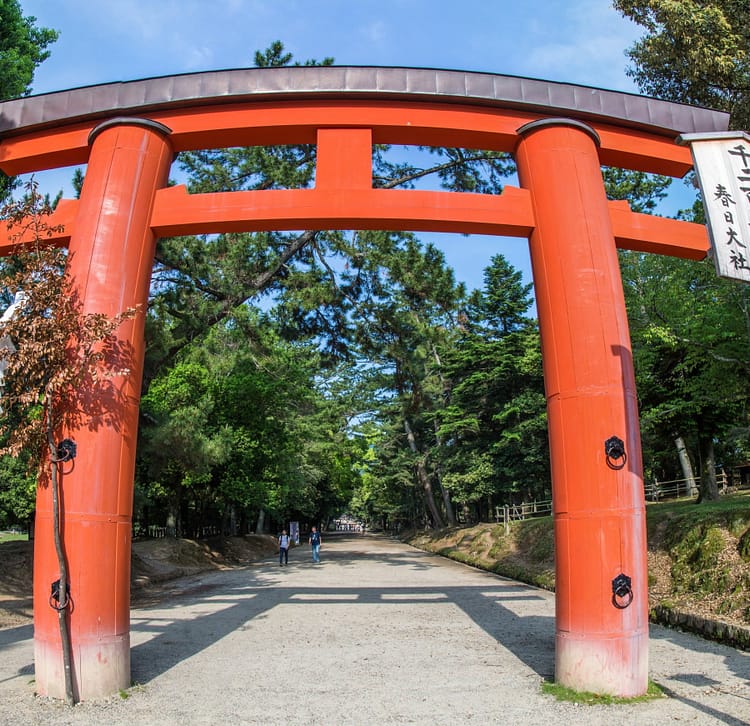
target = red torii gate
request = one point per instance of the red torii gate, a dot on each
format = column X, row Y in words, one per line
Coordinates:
column 128, row 134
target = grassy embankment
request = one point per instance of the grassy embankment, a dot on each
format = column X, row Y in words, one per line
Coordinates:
column 12, row 536
column 698, row 561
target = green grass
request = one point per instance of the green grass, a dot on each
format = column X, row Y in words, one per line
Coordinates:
column 694, row 535
column 732, row 512
column 536, row 537
column 561, row 693
column 10, row 537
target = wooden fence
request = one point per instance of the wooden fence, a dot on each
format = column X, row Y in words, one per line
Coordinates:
column 153, row 531
column 512, row 512
column 656, row 491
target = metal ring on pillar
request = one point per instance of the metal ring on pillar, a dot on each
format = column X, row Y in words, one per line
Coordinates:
column 561, row 121
column 622, row 591
column 128, row 121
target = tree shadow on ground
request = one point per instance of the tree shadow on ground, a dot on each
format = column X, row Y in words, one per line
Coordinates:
column 736, row 662
column 9, row 636
column 494, row 607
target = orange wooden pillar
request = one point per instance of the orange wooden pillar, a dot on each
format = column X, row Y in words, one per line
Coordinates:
column 111, row 255
column 601, row 636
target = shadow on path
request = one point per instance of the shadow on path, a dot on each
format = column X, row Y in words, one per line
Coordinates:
column 529, row 638
column 8, row 636
column 736, row 661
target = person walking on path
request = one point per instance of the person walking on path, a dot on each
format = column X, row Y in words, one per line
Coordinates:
column 315, row 544
column 284, row 548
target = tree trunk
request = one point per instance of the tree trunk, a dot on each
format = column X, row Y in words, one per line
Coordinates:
column 233, row 521
column 423, row 478
column 449, row 513
column 709, row 487
column 173, row 524
column 261, row 523
column 687, row 467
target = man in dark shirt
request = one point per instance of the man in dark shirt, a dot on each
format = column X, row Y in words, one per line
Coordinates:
column 315, row 544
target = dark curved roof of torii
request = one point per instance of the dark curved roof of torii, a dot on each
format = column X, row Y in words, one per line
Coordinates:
column 232, row 86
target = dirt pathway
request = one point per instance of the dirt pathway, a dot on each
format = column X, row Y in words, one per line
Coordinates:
column 377, row 633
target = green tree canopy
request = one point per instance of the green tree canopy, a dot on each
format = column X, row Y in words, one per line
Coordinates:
column 23, row 46
column 694, row 51
column 494, row 419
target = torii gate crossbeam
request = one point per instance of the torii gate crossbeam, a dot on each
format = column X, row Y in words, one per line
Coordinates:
column 560, row 134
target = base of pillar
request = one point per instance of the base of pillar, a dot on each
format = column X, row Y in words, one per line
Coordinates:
column 612, row 666
column 100, row 669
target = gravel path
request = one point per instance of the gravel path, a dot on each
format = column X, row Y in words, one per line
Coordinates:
column 377, row 633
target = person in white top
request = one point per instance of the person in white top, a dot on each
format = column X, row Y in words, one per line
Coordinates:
column 284, row 542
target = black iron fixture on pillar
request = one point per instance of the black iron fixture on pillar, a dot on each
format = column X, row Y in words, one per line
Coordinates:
column 66, row 450
column 614, row 451
column 622, row 592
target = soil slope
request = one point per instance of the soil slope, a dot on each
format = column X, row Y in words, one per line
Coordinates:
column 153, row 564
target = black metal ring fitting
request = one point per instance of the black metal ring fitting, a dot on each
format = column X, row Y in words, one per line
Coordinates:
column 54, row 598
column 622, row 592
column 614, row 452
column 66, row 450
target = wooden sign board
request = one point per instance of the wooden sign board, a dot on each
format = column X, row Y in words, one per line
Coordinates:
column 722, row 165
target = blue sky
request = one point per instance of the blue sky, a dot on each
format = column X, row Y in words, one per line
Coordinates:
column 582, row 41
column 578, row 41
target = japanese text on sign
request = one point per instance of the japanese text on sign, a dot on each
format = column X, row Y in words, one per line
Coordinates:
column 722, row 164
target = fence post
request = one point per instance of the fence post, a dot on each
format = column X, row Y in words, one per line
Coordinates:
column 506, row 518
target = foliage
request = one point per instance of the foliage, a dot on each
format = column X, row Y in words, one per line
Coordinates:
column 494, row 420
column 23, row 46
column 402, row 322
column 52, row 351
column 694, row 51
column 200, row 281
column 642, row 191
column 17, row 492
column 690, row 329
column 290, row 372
column 234, row 428
column 329, row 290
column 59, row 365
column 49, row 353
column 691, row 341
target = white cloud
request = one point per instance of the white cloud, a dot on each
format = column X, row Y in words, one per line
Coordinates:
column 592, row 48
column 375, row 32
column 198, row 59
